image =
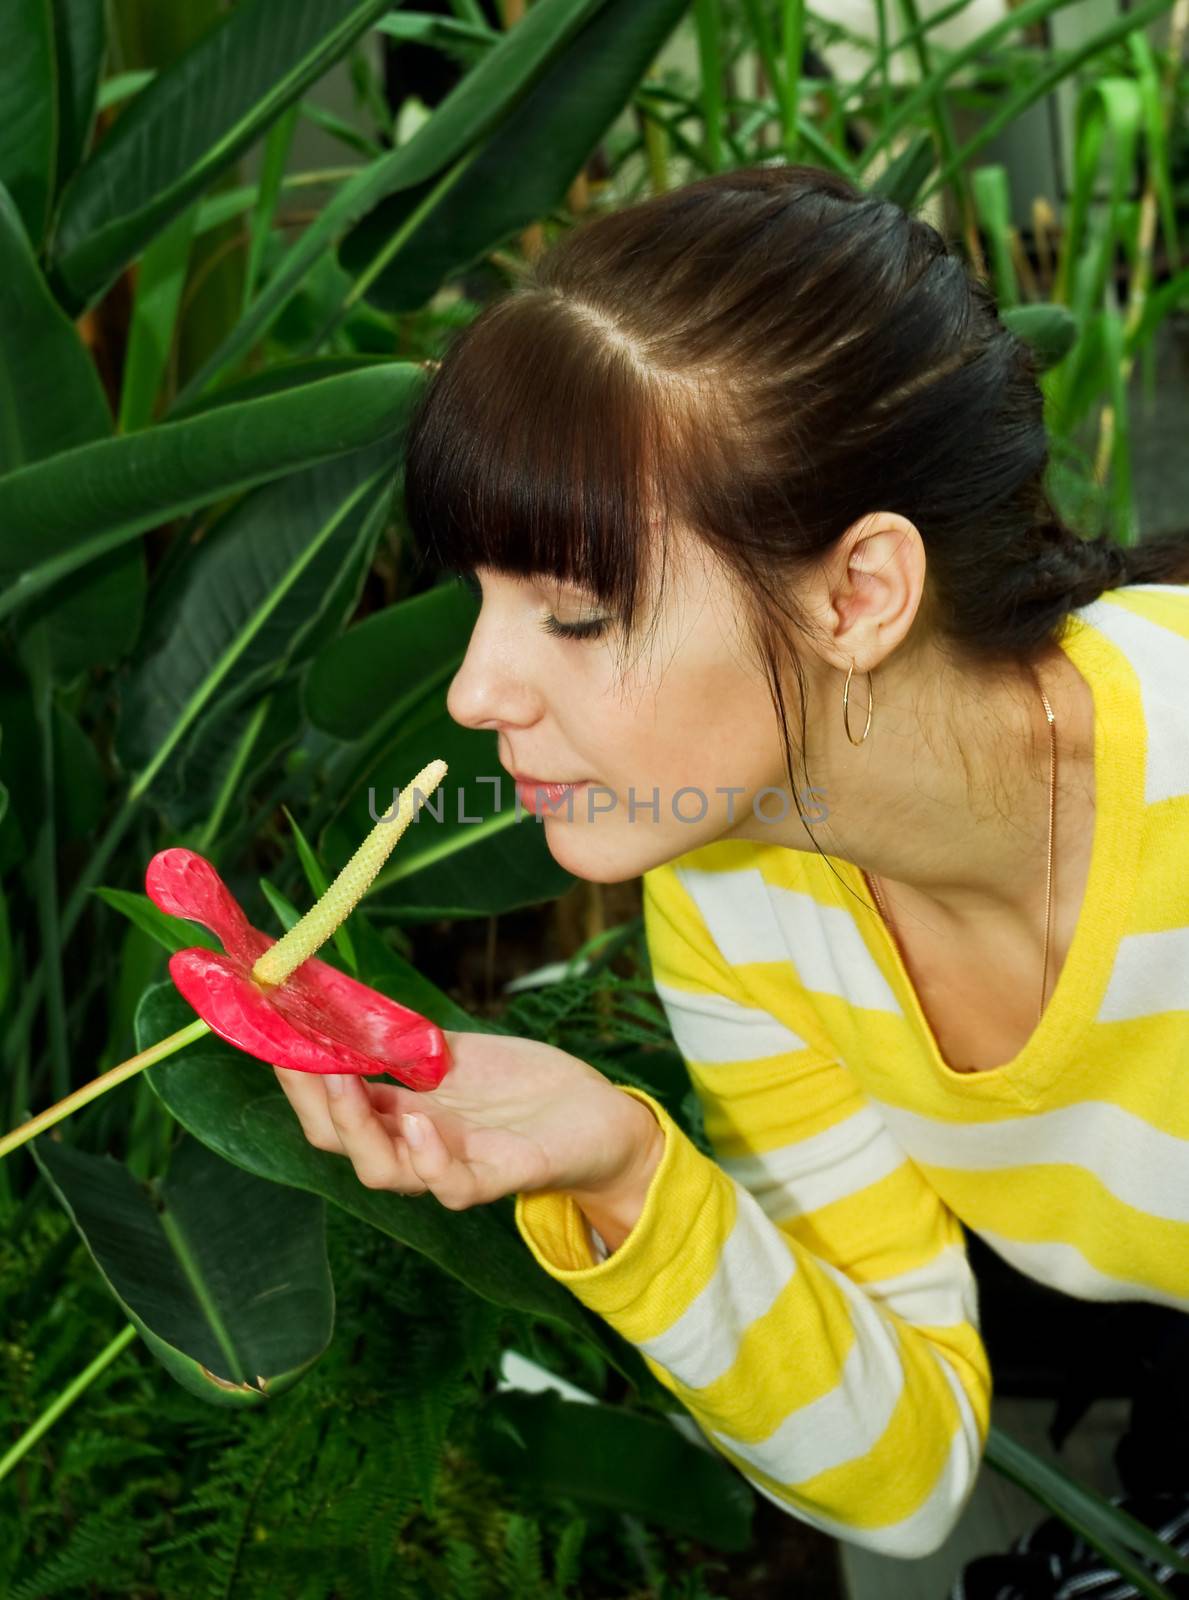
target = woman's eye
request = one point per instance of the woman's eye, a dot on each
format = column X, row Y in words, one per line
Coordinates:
column 576, row 630
column 562, row 630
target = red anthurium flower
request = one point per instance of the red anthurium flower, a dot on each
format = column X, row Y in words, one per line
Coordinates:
column 315, row 1018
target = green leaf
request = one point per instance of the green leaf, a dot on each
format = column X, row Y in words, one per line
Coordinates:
column 382, row 688
column 1109, row 119
column 992, row 199
column 225, row 1275
column 245, row 732
column 188, row 125
column 378, row 671
column 904, row 176
column 402, row 251
column 387, row 970
column 58, row 515
column 78, row 802
column 277, row 377
column 233, row 1103
column 28, row 130
column 272, row 174
column 464, row 42
column 287, row 913
column 80, row 38
column 171, row 933
column 237, row 611
column 51, row 400
column 1112, row 1531
column 437, row 156
column 138, row 962
column 1051, row 330
column 123, row 85
column 52, row 397
column 485, row 855
column 159, row 285
column 1091, row 48
column 604, row 1456
column 6, row 966
column 234, row 748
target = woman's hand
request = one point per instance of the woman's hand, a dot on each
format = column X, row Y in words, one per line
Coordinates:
column 511, row 1114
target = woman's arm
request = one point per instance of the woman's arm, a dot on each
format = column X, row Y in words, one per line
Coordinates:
column 807, row 1295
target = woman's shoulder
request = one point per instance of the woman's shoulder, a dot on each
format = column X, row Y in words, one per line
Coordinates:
column 740, row 896
column 1143, row 617
column 733, row 866
column 1132, row 643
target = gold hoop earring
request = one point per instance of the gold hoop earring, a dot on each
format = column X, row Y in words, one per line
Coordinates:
column 846, row 705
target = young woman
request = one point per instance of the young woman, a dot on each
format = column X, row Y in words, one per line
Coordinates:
column 765, row 435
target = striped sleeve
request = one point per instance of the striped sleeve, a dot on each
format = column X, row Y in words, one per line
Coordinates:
column 806, row 1294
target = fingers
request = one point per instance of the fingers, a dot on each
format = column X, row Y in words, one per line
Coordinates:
column 380, row 1161
column 363, row 1122
column 454, row 1182
column 306, row 1093
column 351, row 1125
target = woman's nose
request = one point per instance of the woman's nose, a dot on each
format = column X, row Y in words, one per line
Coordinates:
column 486, row 692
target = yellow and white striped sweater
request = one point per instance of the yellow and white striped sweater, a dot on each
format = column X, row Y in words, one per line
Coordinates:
column 807, row 1294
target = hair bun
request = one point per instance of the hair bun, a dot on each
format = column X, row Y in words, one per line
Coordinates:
column 1094, row 565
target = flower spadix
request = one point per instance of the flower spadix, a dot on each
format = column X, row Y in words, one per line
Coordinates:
column 273, row 998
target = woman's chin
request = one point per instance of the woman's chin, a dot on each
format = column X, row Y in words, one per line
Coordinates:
column 600, row 853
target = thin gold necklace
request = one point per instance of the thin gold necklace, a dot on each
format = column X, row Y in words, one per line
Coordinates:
column 1052, row 814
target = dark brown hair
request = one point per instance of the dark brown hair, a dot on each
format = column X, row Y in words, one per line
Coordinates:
column 764, row 355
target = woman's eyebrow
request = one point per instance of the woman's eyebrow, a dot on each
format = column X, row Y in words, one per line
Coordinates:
column 572, row 586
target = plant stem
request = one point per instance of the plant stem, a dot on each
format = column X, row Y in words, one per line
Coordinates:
column 46, row 858
column 100, row 1085
column 68, row 1396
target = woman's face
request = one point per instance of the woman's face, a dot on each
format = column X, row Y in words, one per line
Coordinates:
column 679, row 718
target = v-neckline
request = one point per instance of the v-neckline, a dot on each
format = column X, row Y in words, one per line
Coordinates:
column 1073, row 1002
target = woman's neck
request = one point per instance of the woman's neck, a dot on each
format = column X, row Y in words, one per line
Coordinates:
column 946, row 802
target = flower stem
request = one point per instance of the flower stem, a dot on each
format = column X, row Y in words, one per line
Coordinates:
column 68, row 1396
column 101, row 1084
column 283, row 958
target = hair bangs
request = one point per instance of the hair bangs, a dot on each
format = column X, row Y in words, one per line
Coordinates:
column 530, row 453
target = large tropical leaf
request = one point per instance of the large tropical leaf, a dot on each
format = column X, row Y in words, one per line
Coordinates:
column 374, row 673
column 78, row 802
column 239, row 610
column 604, row 1456
column 189, row 124
column 414, row 239
column 259, row 722
column 440, row 150
column 381, row 688
column 471, row 850
column 284, row 373
column 52, row 397
column 60, row 514
column 79, row 37
column 171, row 933
column 234, row 1104
column 1115, row 1533
column 224, row 1274
column 51, row 400
column 28, row 89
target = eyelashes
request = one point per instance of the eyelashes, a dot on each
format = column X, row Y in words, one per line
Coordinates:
column 576, row 630
column 592, row 629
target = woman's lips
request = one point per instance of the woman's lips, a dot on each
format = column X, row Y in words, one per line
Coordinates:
column 546, row 797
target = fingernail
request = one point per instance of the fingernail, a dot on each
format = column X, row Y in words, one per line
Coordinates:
column 414, row 1132
column 334, row 1084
